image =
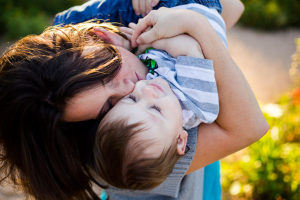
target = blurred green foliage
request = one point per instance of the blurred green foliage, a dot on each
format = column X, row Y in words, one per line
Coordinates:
column 20, row 18
column 295, row 65
column 269, row 169
column 271, row 14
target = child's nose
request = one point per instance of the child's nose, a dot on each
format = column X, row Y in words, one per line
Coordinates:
column 149, row 92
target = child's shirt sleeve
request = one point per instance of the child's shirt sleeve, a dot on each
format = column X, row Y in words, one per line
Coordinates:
column 197, row 90
column 77, row 14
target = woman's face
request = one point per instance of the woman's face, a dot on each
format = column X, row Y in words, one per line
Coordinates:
column 97, row 101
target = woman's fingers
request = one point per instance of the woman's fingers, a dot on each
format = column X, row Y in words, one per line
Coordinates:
column 138, row 37
column 132, row 25
column 163, row 23
column 126, row 30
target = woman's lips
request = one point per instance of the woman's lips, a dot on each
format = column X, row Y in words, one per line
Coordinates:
column 138, row 77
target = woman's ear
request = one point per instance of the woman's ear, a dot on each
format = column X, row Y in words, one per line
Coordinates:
column 181, row 142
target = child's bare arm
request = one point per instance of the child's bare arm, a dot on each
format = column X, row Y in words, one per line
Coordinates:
column 180, row 45
column 232, row 11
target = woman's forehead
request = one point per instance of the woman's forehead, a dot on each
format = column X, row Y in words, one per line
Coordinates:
column 86, row 104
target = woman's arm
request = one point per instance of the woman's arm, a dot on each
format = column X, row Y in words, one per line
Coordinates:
column 240, row 121
column 232, row 11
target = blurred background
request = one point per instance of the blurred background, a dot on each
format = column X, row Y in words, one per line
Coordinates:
column 265, row 46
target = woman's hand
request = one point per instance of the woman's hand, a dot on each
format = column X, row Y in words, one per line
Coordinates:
column 161, row 23
column 143, row 7
column 180, row 45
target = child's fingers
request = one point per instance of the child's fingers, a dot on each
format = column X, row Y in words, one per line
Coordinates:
column 154, row 3
column 143, row 7
column 139, row 7
column 136, row 6
column 148, row 6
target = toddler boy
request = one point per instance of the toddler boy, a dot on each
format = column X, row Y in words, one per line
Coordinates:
column 143, row 135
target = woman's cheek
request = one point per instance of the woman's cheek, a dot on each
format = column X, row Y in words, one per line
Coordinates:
column 122, row 90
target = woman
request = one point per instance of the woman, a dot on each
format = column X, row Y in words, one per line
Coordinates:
column 56, row 77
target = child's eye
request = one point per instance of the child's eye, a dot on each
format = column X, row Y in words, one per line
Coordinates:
column 132, row 97
column 156, row 108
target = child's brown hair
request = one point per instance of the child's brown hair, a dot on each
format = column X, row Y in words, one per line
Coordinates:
column 127, row 168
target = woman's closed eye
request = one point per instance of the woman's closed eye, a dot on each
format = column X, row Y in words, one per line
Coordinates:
column 133, row 98
column 105, row 108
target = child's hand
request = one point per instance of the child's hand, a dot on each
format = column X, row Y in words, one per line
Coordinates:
column 143, row 7
column 163, row 23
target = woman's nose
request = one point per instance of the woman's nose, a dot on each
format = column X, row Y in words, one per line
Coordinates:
column 121, row 90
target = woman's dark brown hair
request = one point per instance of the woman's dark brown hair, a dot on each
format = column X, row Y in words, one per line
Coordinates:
column 42, row 154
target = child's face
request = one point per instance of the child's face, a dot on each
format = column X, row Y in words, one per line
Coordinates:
column 153, row 103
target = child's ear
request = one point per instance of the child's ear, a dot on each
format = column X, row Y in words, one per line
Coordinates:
column 106, row 36
column 181, row 142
